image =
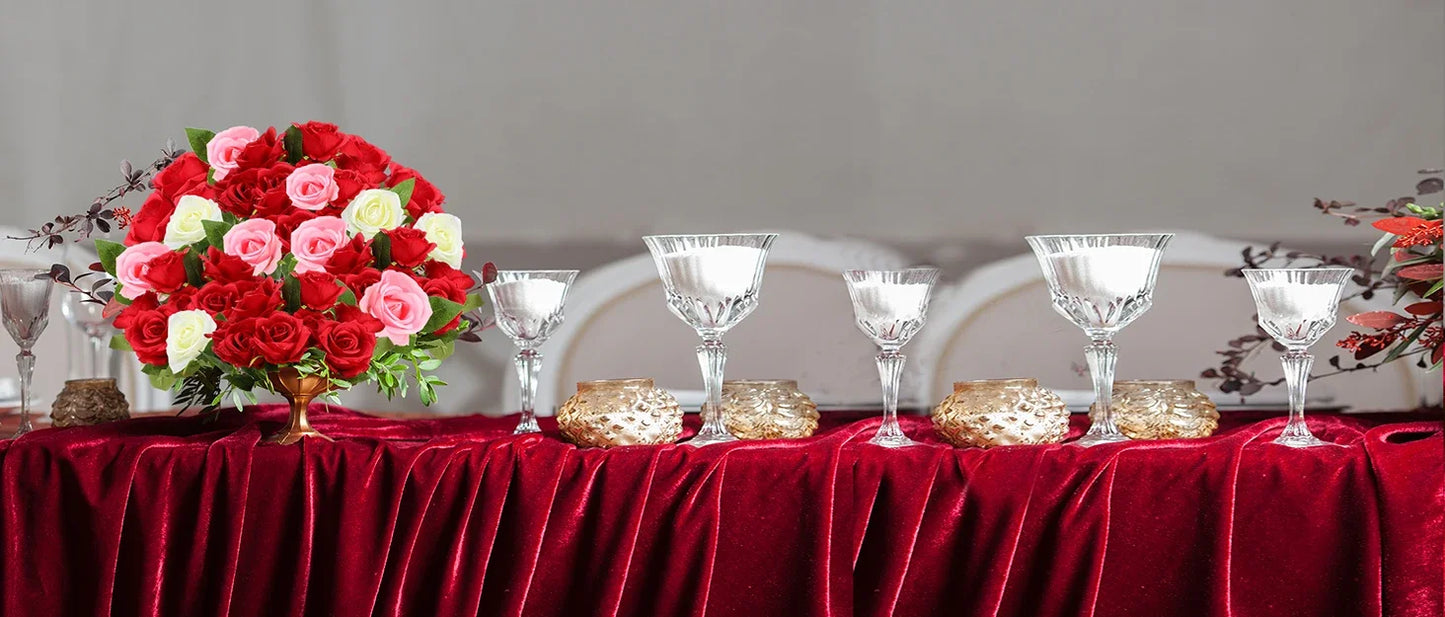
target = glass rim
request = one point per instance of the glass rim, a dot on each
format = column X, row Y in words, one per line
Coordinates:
column 726, row 235
column 536, row 271
column 18, row 270
column 1320, row 269
column 919, row 269
column 1140, row 234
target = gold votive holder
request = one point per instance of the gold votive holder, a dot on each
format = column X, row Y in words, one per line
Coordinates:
column 768, row 409
column 85, row 402
column 1162, row 409
column 620, row 412
column 1001, row 412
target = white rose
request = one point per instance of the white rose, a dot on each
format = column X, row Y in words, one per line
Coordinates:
column 373, row 210
column 185, row 226
column 186, row 333
column 444, row 230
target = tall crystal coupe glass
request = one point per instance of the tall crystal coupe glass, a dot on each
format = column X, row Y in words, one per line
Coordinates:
column 1101, row 283
column 712, row 282
column 25, row 305
column 89, row 318
column 890, row 306
column 528, row 305
column 1297, row 307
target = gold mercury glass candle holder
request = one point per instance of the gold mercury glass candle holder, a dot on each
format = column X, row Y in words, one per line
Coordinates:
column 1001, row 412
column 1162, row 409
column 768, row 409
column 620, row 412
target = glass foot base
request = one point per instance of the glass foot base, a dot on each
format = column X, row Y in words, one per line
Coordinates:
column 523, row 429
column 1301, row 441
column 892, row 441
column 23, row 430
column 1094, row 439
column 708, row 438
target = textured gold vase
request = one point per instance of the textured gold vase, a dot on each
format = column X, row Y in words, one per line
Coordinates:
column 299, row 390
column 620, row 412
column 1162, row 409
column 768, row 409
column 1001, row 412
column 89, row 401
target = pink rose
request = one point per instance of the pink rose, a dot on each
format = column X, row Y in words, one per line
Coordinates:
column 399, row 303
column 225, row 146
column 131, row 267
column 256, row 243
column 314, row 242
column 312, row 187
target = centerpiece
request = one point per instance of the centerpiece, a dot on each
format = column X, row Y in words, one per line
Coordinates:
column 302, row 262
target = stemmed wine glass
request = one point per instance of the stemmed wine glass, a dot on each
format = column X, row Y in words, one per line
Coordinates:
column 1101, row 283
column 712, row 282
column 89, row 318
column 890, row 306
column 25, row 305
column 528, row 305
column 1297, row 307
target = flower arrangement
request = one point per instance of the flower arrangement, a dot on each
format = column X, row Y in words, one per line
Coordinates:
column 306, row 250
column 1412, row 272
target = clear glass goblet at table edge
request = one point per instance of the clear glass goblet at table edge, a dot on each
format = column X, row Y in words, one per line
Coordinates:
column 25, row 306
column 88, row 316
column 1296, row 307
column 712, row 282
column 890, row 306
column 1101, row 283
column 528, row 307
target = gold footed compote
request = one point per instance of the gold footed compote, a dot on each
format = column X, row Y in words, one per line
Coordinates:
column 299, row 390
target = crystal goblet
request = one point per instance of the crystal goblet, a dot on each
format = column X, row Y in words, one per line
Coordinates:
column 88, row 316
column 1297, row 307
column 890, row 306
column 1101, row 283
column 712, row 282
column 528, row 306
column 25, row 305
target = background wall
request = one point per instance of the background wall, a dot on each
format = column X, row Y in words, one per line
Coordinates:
column 563, row 130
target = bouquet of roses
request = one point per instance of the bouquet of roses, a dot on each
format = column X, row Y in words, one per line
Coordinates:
column 308, row 250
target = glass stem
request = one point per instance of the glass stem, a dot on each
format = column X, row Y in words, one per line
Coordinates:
column 528, row 362
column 890, row 373
column 1101, row 355
column 1296, row 376
column 26, row 362
column 711, row 356
column 99, row 357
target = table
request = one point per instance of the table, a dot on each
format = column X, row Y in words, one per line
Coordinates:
column 454, row 516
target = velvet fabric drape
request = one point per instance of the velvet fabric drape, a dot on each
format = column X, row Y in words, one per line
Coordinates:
column 455, row 516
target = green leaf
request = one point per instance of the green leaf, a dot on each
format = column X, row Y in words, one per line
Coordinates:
column 108, row 251
column 1384, row 241
column 292, row 141
column 241, row 381
column 348, row 297
column 383, row 347
column 1405, row 345
column 1434, row 288
column 442, row 313
column 285, row 267
column 442, row 350
column 199, row 138
column 429, row 365
column 474, row 302
column 216, row 232
column 163, row 380
column 381, row 248
column 291, row 293
column 119, row 343
column 195, row 271
column 403, row 190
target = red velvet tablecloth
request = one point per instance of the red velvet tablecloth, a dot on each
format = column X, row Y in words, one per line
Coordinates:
column 170, row 516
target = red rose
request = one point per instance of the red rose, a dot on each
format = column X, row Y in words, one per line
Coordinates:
column 184, row 299
column 149, row 224
column 351, row 258
column 449, row 289
column 439, row 270
column 264, row 152
column 348, row 346
column 146, row 302
column 256, row 191
column 363, row 158
column 226, row 268
column 167, row 272
column 146, row 333
column 319, row 290
column 255, row 298
column 313, row 320
column 425, row 197
column 358, row 282
column 234, row 342
column 215, row 297
column 409, row 246
column 320, row 140
column 348, row 184
column 287, row 223
column 281, row 338
column 183, row 176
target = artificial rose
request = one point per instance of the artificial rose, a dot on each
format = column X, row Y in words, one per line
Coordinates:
column 409, row 246
column 147, row 301
column 351, row 258
column 281, row 338
column 216, row 297
column 320, row 140
column 183, row 299
column 319, row 290
column 259, row 191
column 226, row 268
column 368, row 161
column 425, row 197
column 235, row 343
column 185, row 226
column 439, row 270
column 445, row 231
column 358, row 282
column 265, row 151
column 146, row 334
column 286, row 225
column 149, row 224
column 185, row 175
column 372, row 211
column 187, row 335
column 166, row 272
column 348, row 184
column 226, row 146
column 314, row 242
column 399, row 303
column 313, row 320
column 312, row 186
column 348, row 346
column 451, row 290
column 132, row 265
column 256, row 298
column 256, row 243
column 348, row 313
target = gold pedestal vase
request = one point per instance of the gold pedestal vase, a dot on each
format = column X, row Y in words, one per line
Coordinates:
column 299, row 390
